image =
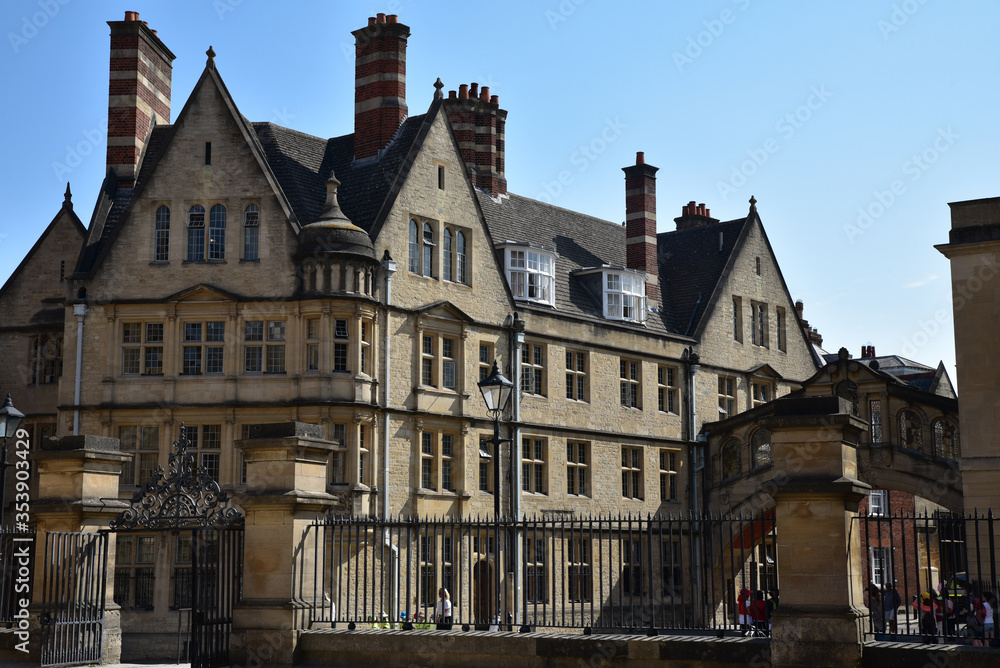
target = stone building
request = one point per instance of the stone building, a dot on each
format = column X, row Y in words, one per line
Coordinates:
column 236, row 273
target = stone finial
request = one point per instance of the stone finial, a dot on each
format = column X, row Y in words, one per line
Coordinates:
column 753, row 204
column 437, row 89
column 211, row 58
column 842, row 354
column 68, row 198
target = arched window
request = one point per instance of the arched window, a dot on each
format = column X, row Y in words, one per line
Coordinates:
column 217, row 233
column 161, row 250
column 414, row 249
column 910, row 431
column 428, row 242
column 460, row 257
column 251, row 232
column 946, row 440
column 848, row 389
column 447, row 261
column 760, row 448
column 196, row 234
column 732, row 460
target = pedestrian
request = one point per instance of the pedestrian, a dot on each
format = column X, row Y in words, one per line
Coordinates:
column 876, row 611
column 759, row 611
column 443, row 618
column 928, row 610
column 989, row 606
column 974, row 613
column 772, row 605
column 891, row 600
column 744, row 603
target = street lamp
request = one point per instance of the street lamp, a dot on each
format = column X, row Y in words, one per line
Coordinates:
column 496, row 393
column 10, row 420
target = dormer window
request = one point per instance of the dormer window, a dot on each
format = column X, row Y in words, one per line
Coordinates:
column 531, row 273
column 624, row 296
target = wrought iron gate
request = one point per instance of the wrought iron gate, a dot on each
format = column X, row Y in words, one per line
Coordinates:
column 187, row 498
column 76, row 567
column 216, row 570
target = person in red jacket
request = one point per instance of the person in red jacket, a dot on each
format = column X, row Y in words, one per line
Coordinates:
column 745, row 602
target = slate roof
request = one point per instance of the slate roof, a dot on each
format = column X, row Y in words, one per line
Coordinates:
column 691, row 263
column 300, row 163
column 581, row 242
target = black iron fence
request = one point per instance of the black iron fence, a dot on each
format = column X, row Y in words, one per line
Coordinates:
column 603, row 573
column 17, row 557
column 929, row 577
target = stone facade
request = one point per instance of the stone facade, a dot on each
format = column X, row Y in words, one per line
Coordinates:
column 206, row 307
column 974, row 252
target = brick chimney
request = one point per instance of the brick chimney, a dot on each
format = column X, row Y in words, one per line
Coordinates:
column 138, row 93
column 812, row 334
column 640, row 223
column 379, row 84
column 867, row 352
column 479, row 124
column 694, row 215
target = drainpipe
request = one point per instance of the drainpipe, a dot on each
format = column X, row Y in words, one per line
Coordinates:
column 692, row 360
column 516, row 341
column 389, row 267
column 80, row 311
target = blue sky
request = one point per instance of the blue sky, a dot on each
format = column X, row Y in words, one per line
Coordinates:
column 852, row 123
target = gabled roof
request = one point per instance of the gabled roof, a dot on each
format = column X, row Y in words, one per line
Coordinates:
column 444, row 309
column 66, row 209
column 692, row 263
column 296, row 164
column 302, row 163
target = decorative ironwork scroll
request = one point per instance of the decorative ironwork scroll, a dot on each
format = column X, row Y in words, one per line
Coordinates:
column 183, row 497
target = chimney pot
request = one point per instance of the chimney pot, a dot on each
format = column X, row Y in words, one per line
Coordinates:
column 640, row 223
column 392, row 18
column 380, row 88
column 129, row 122
column 452, row 95
column 473, row 90
column 154, row 32
column 485, row 94
column 707, row 213
column 494, row 99
column 463, row 92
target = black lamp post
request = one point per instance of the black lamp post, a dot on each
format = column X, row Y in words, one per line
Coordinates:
column 10, row 420
column 496, row 393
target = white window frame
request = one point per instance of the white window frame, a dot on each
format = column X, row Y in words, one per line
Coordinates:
column 531, row 274
column 880, row 565
column 878, row 503
column 624, row 296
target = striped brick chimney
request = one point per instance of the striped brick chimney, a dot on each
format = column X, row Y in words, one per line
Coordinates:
column 379, row 84
column 640, row 223
column 138, row 93
column 479, row 125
